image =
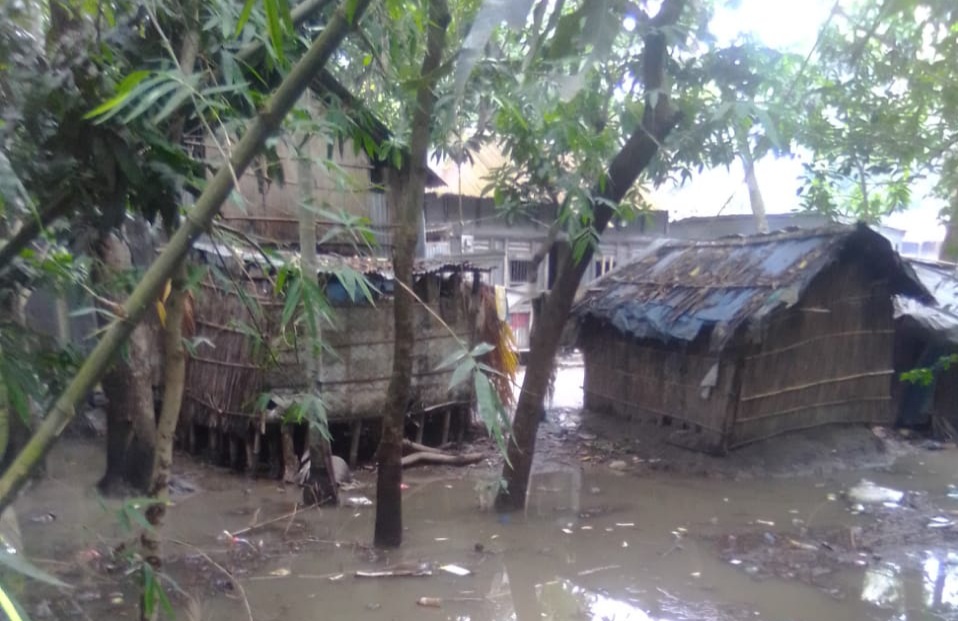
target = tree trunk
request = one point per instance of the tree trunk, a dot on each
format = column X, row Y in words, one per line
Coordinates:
column 411, row 192
column 174, row 381
column 949, row 248
column 217, row 190
column 635, row 156
column 321, row 485
column 751, row 180
column 127, row 385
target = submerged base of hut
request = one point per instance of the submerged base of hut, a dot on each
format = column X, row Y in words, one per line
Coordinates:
column 247, row 384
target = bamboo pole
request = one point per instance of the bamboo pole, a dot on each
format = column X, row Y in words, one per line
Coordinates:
column 207, row 206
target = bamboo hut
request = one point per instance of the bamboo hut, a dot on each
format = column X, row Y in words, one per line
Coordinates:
column 924, row 334
column 740, row 339
column 245, row 375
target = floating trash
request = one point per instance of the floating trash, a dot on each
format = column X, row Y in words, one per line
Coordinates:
column 867, row 492
column 358, row 501
column 455, row 570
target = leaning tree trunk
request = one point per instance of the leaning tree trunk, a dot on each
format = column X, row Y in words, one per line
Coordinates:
column 411, row 191
column 755, row 199
column 128, row 387
column 657, row 121
column 217, row 190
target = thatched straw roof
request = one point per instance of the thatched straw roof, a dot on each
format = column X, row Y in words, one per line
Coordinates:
column 680, row 289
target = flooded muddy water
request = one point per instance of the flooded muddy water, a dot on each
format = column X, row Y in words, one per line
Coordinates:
column 596, row 543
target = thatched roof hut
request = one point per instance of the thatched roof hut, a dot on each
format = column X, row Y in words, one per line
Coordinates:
column 243, row 356
column 743, row 338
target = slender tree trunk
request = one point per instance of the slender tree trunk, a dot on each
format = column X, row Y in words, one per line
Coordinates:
column 949, row 248
column 321, row 486
column 751, row 180
column 207, row 206
column 131, row 418
column 411, row 191
column 635, row 156
column 174, row 382
column 174, row 355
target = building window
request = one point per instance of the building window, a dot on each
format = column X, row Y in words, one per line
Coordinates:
column 519, row 270
column 604, row 265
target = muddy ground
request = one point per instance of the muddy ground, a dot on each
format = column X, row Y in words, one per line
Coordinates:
column 620, row 525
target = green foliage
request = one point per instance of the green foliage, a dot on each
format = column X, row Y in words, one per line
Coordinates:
column 924, row 376
column 153, row 593
column 466, row 365
column 877, row 109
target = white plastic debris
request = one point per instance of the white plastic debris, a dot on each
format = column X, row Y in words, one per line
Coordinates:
column 867, row 492
column 358, row 501
column 455, row 570
column 940, row 522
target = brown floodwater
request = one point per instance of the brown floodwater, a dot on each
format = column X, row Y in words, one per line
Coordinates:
column 594, row 544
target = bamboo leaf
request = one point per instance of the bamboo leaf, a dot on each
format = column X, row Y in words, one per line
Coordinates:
column 481, row 348
column 150, row 98
column 275, row 26
column 461, row 374
column 19, row 564
column 123, row 91
column 244, row 16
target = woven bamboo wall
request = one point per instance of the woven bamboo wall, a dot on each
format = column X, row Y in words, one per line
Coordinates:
column 224, row 382
column 826, row 360
column 646, row 380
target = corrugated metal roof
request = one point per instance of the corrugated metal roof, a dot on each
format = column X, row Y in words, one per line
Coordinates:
column 330, row 263
column 941, row 279
column 678, row 289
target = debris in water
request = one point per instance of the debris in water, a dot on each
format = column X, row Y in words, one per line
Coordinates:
column 358, row 501
column 625, row 524
column 440, row 539
column 282, row 571
column 43, row 518
column 429, row 602
column 801, row 545
column 940, row 522
column 337, row 577
column 618, row 464
column 455, row 570
column 765, row 522
column 735, row 561
column 832, row 497
column 595, row 570
column 867, row 492
column 567, row 531
column 585, row 528
column 116, row 599
column 696, row 574
column 414, row 572
column 625, row 544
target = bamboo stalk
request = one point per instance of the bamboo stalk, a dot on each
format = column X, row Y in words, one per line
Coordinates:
column 205, row 209
column 822, row 404
column 836, row 335
column 830, row 380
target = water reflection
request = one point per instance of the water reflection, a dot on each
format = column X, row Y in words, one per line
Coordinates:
column 562, row 600
column 935, row 587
